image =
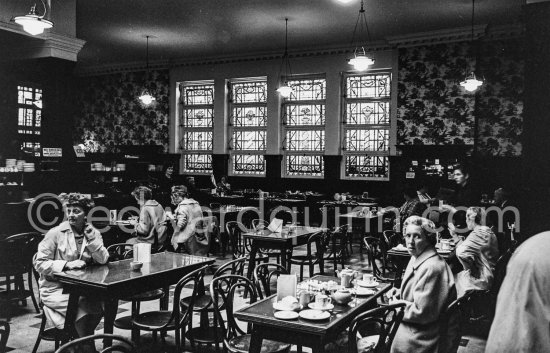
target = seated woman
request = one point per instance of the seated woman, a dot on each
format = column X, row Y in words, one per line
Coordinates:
column 188, row 212
column 427, row 289
column 74, row 244
column 152, row 219
column 477, row 254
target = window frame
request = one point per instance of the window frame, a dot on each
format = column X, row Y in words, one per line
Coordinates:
column 191, row 129
column 285, row 128
column 232, row 129
column 390, row 126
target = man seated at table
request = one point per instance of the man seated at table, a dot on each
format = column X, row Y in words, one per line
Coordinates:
column 152, row 219
column 411, row 207
column 72, row 245
column 186, row 216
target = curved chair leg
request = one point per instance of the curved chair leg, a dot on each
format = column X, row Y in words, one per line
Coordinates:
column 39, row 338
column 29, row 278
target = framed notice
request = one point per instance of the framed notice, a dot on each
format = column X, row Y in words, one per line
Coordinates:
column 79, row 151
column 52, row 152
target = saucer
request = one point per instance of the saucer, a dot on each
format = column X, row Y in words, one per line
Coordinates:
column 367, row 284
column 443, row 251
column 314, row 314
column 286, row 315
column 320, row 308
column 282, row 307
column 361, row 291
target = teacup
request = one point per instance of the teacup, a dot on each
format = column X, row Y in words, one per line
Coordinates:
column 445, row 245
column 322, row 300
column 368, row 278
column 136, row 265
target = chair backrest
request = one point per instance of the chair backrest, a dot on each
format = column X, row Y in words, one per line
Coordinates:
column 392, row 238
column 120, row 344
column 120, row 251
column 18, row 250
column 263, row 275
column 372, row 245
column 382, row 321
column 338, row 235
column 239, row 245
column 233, row 267
column 4, row 334
column 223, row 289
column 455, row 317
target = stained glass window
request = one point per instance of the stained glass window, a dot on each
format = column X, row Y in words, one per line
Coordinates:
column 366, row 128
column 29, row 117
column 196, row 124
column 248, row 125
column 304, row 127
column 248, row 164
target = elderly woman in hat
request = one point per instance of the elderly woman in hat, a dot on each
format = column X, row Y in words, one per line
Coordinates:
column 72, row 245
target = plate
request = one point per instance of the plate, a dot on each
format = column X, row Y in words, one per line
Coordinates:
column 360, row 291
column 320, row 308
column 286, row 315
column 443, row 251
column 310, row 314
column 122, row 222
column 367, row 284
column 282, row 307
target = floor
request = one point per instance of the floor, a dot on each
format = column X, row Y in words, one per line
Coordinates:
column 25, row 323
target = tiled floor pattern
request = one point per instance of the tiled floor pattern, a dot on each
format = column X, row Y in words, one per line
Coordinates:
column 25, row 323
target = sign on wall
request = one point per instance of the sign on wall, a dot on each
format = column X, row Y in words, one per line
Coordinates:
column 52, row 152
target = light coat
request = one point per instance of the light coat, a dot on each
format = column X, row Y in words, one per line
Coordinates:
column 428, row 288
column 478, row 255
column 151, row 219
column 56, row 249
column 187, row 214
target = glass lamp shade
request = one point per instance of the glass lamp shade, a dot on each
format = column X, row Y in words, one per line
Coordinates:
column 285, row 90
column 361, row 62
column 471, row 83
column 33, row 24
column 146, row 98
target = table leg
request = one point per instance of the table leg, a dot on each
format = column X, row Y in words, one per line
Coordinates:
column 164, row 301
column 251, row 264
column 255, row 342
column 70, row 317
column 111, row 308
column 284, row 261
column 320, row 256
column 335, row 260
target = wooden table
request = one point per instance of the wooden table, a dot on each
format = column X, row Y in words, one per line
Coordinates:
column 314, row 334
column 115, row 280
column 401, row 258
column 284, row 241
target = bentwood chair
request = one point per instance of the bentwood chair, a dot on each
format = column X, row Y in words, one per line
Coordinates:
column 175, row 319
column 206, row 334
column 120, row 344
column 16, row 253
column 239, row 245
column 310, row 258
column 258, row 225
column 47, row 334
column 371, row 247
column 4, row 334
column 263, row 276
column 123, row 251
column 376, row 327
column 337, row 246
column 223, row 291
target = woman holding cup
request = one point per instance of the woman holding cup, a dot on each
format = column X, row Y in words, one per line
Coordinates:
column 427, row 289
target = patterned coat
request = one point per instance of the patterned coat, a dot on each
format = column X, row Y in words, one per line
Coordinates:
column 187, row 214
column 58, row 248
column 428, row 288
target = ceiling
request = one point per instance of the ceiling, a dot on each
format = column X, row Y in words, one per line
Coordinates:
column 115, row 31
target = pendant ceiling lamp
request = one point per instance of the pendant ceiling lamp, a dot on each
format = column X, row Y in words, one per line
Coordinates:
column 32, row 23
column 146, row 98
column 360, row 60
column 471, row 83
column 285, row 90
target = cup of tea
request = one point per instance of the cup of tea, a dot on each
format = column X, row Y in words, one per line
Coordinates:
column 322, row 300
column 445, row 244
column 367, row 277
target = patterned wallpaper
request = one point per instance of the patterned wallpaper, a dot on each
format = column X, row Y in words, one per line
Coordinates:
column 111, row 114
column 500, row 103
column 433, row 109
